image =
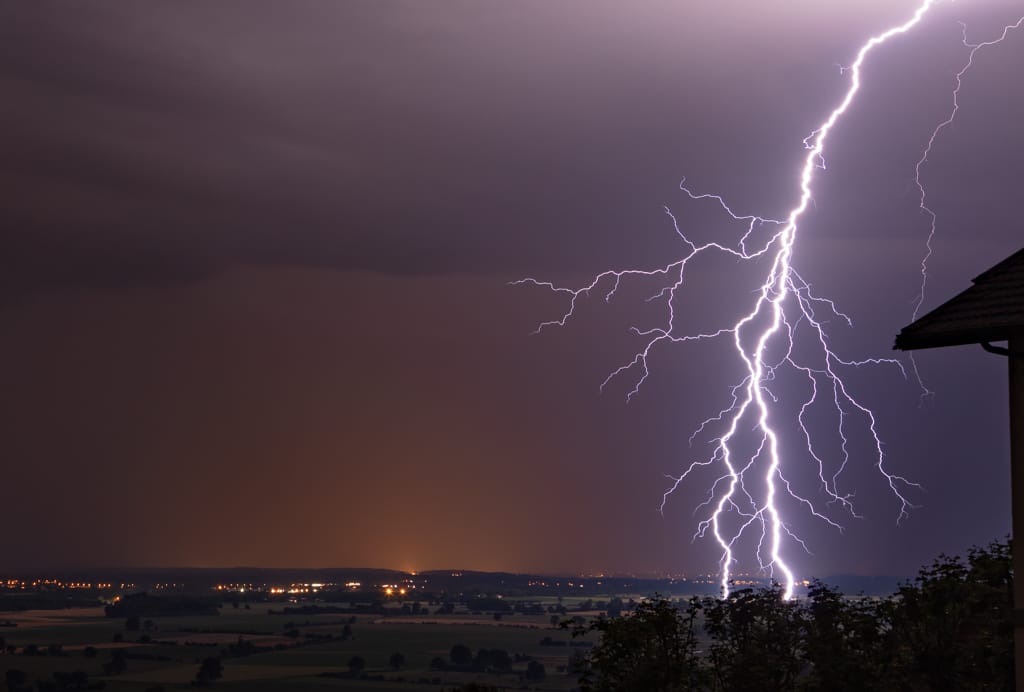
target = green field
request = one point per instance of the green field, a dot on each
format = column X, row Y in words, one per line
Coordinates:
column 171, row 660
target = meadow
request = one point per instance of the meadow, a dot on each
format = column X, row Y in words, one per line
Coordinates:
column 262, row 650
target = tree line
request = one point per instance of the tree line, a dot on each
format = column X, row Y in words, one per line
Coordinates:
column 950, row 629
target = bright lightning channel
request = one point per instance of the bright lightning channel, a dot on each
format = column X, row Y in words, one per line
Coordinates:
column 783, row 305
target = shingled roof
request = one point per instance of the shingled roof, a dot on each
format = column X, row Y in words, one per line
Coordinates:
column 990, row 310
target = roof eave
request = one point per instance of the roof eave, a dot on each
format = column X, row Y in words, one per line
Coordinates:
column 914, row 342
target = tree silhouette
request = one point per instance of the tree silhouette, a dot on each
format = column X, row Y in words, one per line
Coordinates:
column 952, row 625
column 535, row 671
column 950, row 629
column 356, row 665
column 209, row 671
column 461, row 655
column 654, row 650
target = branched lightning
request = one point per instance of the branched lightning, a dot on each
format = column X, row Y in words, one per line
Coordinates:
column 744, row 496
column 919, row 166
column 954, row 109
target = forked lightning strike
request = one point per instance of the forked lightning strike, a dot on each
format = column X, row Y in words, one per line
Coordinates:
column 784, row 309
column 922, row 194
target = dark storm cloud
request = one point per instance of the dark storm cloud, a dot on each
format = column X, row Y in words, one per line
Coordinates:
column 266, row 244
column 171, row 141
column 182, row 140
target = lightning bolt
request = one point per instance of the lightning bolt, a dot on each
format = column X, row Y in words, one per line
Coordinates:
column 785, row 312
column 954, row 110
column 919, row 166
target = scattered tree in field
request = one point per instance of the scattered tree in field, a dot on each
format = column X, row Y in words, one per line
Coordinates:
column 63, row 680
column 17, row 680
column 615, row 606
column 492, row 661
column 118, row 663
column 356, row 665
column 535, row 671
column 210, row 670
column 461, row 655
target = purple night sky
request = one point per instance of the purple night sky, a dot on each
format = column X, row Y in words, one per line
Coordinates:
column 254, row 305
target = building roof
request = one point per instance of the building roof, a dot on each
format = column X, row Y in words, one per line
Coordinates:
column 990, row 310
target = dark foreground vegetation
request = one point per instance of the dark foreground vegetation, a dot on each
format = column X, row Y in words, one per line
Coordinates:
column 950, row 629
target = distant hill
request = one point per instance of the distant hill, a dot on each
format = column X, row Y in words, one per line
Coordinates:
column 198, row 579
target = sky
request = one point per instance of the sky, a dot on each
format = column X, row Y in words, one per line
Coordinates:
column 254, row 300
